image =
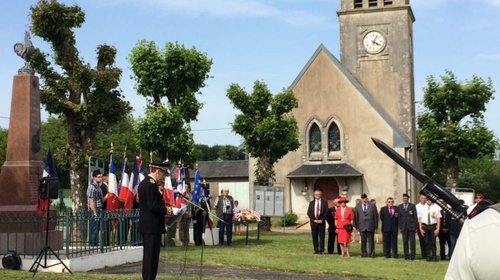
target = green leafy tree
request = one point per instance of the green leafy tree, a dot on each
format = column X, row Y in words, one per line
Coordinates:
column 268, row 130
column 122, row 135
column 169, row 78
column 3, row 145
column 452, row 124
column 55, row 137
column 217, row 152
column 88, row 97
column 482, row 174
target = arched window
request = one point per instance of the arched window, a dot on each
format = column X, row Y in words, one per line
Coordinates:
column 314, row 138
column 333, row 138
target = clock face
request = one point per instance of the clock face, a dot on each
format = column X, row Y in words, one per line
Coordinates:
column 374, row 42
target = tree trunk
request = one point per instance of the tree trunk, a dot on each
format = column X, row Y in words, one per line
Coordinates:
column 264, row 174
column 452, row 174
column 77, row 178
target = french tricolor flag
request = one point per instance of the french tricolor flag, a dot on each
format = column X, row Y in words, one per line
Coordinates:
column 126, row 194
column 113, row 201
column 168, row 192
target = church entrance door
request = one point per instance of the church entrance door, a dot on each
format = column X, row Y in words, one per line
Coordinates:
column 329, row 189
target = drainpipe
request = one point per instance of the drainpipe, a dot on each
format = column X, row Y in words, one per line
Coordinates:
column 408, row 151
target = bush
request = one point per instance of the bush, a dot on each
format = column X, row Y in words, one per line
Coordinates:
column 289, row 219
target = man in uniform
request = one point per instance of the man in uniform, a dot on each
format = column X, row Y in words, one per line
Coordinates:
column 476, row 253
column 429, row 223
column 151, row 219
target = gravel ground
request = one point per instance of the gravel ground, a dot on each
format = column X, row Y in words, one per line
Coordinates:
column 192, row 269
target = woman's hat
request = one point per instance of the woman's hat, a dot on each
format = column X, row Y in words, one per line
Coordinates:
column 343, row 199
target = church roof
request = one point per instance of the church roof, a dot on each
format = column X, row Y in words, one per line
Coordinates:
column 400, row 138
column 324, row 170
column 223, row 169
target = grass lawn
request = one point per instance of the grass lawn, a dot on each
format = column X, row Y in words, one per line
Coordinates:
column 294, row 253
column 278, row 251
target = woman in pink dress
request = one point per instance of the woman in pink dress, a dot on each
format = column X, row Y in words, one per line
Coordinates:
column 343, row 217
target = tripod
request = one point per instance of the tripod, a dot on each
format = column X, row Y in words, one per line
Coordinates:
column 41, row 260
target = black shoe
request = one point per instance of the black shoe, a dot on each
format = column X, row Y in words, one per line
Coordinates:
column 316, row 252
column 396, row 256
column 387, row 257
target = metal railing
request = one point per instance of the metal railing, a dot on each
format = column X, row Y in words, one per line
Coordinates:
column 70, row 234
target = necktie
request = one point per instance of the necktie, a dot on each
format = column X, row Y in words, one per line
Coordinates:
column 428, row 215
column 318, row 209
column 406, row 206
column 364, row 208
column 391, row 210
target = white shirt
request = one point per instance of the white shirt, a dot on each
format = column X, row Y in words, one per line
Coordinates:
column 429, row 214
column 476, row 253
column 471, row 208
column 419, row 207
column 317, row 206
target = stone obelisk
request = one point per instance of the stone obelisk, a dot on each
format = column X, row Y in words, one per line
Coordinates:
column 22, row 170
column 20, row 229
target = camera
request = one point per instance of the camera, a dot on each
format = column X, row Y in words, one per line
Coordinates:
column 228, row 206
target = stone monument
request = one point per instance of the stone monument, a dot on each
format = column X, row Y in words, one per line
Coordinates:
column 23, row 168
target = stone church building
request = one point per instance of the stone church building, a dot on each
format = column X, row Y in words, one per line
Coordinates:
column 368, row 93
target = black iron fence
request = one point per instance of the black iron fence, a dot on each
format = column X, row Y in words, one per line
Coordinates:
column 70, row 234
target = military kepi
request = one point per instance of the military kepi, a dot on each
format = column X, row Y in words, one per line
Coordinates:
column 160, row 165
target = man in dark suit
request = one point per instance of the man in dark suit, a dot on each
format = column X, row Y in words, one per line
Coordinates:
column 444, row 233
column 151, row 219
column 330, row 219
column 389, row 218
column 317, row 211
column 366, row 222
column 408, row 223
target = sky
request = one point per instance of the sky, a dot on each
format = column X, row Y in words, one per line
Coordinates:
column 251, row 40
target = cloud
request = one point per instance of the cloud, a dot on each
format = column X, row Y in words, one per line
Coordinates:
column 281, row 10
column 494, row 2
column 489, row 57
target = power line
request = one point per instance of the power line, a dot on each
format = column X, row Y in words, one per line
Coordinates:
column 211, row 129
column 2, row 117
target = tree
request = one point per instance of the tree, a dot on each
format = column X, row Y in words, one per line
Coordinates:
column 482, row 174
column 3, row 145
column 169, row 78
column 452, row 124
column 88, row 97
column 217, row 152
column 268, row 130
column 55, row 137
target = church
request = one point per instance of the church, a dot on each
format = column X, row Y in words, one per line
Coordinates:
column 368, row 93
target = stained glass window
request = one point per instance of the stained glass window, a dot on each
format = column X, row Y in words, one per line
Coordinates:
column 314, row 139
column 333, row 138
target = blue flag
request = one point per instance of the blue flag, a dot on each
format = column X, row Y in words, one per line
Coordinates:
column 50, row 166
column 198, row 191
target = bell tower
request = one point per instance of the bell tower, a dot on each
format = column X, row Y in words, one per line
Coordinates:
column 376, row 45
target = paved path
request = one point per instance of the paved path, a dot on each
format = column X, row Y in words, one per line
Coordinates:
column 189, row 269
